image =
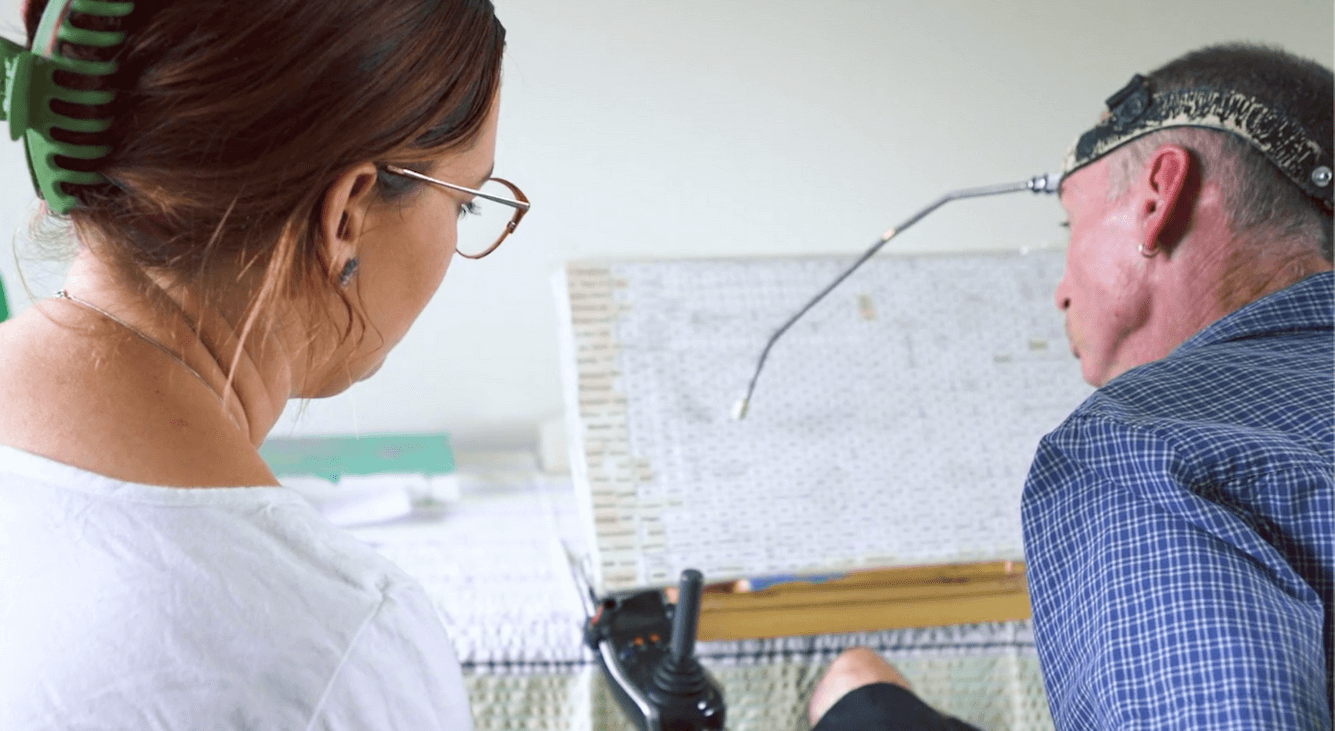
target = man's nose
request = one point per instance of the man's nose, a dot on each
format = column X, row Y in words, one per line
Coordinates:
column 1060, row 297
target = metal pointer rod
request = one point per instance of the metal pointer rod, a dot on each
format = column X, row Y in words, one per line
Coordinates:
column 1046, row 183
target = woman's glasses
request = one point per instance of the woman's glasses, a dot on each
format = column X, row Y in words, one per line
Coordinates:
column 494, row 212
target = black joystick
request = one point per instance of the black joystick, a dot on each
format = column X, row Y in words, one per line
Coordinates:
column 679, row 686
column 647, row 649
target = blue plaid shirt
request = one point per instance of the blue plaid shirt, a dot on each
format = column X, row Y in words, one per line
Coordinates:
column 1178, row 529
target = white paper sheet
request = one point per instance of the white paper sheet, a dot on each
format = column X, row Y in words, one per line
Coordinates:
column 893, row 425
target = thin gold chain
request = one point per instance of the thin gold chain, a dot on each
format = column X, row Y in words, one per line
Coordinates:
column 62, row 294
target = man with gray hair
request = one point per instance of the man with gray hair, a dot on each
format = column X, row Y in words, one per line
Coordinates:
column 1180, row 525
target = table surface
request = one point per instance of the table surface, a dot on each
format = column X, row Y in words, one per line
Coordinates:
column 494, row 565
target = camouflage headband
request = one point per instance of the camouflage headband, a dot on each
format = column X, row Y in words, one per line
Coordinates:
column 1136, row 111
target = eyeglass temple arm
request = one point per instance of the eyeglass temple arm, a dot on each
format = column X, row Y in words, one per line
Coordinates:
column 522, row 205
column 1046, row 183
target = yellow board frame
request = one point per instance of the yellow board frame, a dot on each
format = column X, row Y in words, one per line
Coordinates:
column 865, row 601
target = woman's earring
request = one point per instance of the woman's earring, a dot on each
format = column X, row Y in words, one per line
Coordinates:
column 349, row 269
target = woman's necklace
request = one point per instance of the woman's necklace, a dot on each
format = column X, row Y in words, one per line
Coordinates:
column 62, row 294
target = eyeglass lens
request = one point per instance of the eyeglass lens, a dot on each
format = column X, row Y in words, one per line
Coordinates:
column 482, row 222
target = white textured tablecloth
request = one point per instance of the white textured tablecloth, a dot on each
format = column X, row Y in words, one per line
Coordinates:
column 494, row 566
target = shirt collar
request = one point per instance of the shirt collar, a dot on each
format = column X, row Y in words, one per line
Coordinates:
column 1307, row 305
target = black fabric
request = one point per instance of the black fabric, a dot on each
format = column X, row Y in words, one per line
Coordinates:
column 886, row 707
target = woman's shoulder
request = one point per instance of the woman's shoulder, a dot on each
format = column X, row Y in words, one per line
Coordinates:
column 117, row 417
column 225, row 528
column 247, row 591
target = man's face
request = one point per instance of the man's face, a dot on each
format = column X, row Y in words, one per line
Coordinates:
column 1104, row 291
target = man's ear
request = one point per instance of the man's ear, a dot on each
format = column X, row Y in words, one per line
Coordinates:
column 1168, row 191
column 343, row 213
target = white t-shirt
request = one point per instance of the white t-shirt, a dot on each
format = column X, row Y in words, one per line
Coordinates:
column 126, row 606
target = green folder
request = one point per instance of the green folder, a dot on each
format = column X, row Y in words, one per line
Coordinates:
column 4, row 302
column 333, row 457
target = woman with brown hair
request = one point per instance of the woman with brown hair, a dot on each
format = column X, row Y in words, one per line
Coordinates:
column 265, row 195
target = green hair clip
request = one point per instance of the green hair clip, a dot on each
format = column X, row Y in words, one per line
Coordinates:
column 31, row 86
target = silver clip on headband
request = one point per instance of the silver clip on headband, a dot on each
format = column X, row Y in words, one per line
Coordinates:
column 1047, row 183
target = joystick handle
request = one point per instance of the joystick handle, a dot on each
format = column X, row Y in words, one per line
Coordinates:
column 686, row 698
column 646, row 647
column 686, row 617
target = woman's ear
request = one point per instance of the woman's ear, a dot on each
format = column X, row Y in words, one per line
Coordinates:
column 343, row 214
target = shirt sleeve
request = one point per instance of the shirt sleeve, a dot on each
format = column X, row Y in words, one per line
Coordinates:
column 1158, row 603
column 400, row 672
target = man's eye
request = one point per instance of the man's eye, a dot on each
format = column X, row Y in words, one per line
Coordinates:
column 468, row 209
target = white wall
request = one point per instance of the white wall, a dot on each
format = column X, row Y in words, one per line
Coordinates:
column 751, row 127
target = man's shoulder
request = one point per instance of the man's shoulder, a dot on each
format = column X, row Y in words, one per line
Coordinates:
column 1307, row 306
column 1233, row 395
column 1253, row 390
column 1269, row 364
